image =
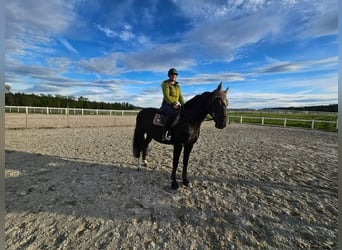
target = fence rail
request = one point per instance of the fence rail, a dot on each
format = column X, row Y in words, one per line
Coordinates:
column 47, row 117
column 283, row 121
column 66, row 117
column 66, row 111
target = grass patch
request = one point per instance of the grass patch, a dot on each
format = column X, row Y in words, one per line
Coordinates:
column 321, row 121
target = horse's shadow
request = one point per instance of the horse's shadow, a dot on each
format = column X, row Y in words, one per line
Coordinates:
column 40, row 183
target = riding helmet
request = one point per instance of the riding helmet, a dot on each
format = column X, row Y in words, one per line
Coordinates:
column 172, row 71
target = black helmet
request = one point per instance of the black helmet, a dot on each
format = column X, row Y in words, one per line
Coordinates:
column 172, row 71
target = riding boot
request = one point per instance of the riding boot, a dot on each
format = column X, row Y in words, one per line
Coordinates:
column 166, row 133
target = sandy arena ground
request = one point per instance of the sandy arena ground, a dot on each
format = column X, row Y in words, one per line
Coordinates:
column 253, row 187
column 14, row 120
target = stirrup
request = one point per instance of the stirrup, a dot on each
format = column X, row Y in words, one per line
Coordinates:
column 166, row 136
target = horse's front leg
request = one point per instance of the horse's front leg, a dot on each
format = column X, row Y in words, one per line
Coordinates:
column 144, row 150
column 177, row 149
column 186, row 155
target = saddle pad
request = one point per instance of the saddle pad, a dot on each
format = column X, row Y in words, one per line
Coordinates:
column 159, row 119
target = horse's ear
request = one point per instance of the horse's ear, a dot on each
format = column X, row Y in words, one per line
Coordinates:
column 219, row 87
column 226, row 91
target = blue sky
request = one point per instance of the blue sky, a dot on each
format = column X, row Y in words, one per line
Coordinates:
column 276, row 53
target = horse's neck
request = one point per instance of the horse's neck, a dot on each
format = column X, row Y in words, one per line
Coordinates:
column 199, row 115
column 197, row 111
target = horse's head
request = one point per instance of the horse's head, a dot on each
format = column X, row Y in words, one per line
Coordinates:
column 218, row 106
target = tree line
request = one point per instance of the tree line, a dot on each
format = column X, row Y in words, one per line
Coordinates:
column 321, row 108
column 59, row 101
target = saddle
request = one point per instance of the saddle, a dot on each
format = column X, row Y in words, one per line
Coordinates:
column 159, row 119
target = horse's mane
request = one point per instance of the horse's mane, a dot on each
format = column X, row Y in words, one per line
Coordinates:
column 197, row 99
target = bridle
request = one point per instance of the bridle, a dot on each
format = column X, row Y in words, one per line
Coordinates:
column 211, row 106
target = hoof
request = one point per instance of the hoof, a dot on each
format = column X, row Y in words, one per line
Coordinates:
column 145, row 163
column 174, row 185
column 186, row 183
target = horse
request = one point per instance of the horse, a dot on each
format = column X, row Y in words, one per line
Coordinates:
column 185, row 133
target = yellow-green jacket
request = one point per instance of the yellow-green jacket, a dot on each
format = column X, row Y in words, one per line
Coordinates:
column 172, row 93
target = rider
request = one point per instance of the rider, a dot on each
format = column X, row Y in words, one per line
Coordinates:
column 172, row 100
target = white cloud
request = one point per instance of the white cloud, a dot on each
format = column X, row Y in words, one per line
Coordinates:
column 68, row 45
column 201, row 10
column 218, row 31
column 277, row 66
column 285, row 92
column 39, row 16
column 220, row 28
column 108, row 32
column 213, row 78
column 281, row 67
column 324, row 21
column 32, row 24
column 324, row 84
column 102, row 65
column 126, row 35
column 219, row 37
column 271, row 100
column 157, row 57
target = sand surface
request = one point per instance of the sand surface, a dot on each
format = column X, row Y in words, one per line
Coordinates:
column 253, row 187
column 15, row 120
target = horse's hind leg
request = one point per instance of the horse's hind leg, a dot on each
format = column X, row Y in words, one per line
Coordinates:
column 138, row 141
column 144, row 149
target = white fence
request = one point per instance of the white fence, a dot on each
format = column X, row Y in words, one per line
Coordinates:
column 47, row 117
column 284, row 121
column 66, row 111
column 33, row 117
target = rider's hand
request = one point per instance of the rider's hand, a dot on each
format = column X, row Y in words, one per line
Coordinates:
column 177, row 105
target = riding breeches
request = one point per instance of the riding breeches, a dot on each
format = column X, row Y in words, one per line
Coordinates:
column 170, row 112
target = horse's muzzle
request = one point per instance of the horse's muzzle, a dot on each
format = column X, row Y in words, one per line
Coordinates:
column 220, row 122
column 220, row 125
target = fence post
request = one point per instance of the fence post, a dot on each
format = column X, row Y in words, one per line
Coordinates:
column 285, row 121
column 312, row 124
column 26, row 116
column 262, row 121
column 67, row 114
column 241, row 119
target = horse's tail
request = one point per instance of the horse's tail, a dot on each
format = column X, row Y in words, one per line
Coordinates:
column 138, row 139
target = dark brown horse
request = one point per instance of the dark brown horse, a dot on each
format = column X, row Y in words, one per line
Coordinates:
column 185, row 133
